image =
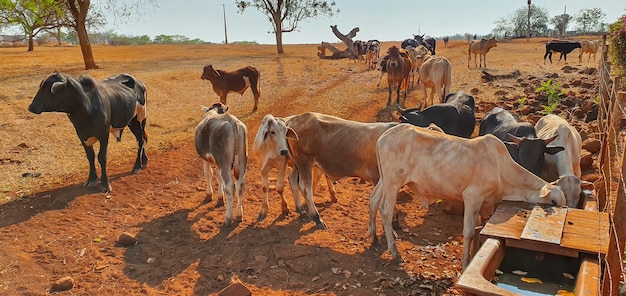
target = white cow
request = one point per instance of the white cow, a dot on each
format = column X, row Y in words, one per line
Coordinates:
column 270, row 146
column 564, row 167
column 221, row 140
column 436, row 74
column 479, row 171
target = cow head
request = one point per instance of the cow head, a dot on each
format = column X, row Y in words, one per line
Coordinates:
column 54, row 95
column 394, row 57
column 271, row 138
column 550, row 194
column 218, row 108
column 403, row 115
column 571, row 187
column 419, row 38
column 530, row 151
column 209, row 73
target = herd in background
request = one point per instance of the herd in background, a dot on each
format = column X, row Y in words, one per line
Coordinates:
column 508, row 160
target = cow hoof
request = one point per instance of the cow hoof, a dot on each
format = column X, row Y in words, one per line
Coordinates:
column 220, row 203
column 208, row 198
column 227, row 223
column 90, row 183
column 395, row 225
column 135, row 171
column 105, row 188
column 261, row 217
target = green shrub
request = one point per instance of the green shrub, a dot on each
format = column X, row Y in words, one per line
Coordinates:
column 617, row 49
column 553, row 91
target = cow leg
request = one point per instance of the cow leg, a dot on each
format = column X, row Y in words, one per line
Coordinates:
column 227, row 186
column 398, row 93
column 317, row 175
column 485, row 60
column 380, row 78
column 240, row 187
column 280, row 186
column 137, row 130
column 470, row 219
column 387, row 206
column 265, row 187
column 390, row 90
column 256, row 91
column 102, row 159
column 92, row 180
column 375, row 198
column 307, row 179
column 208, row 176
column 295, row 190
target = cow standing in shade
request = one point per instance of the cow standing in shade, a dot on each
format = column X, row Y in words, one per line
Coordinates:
column 237, row 81
column 221, row 140
column 95, row 109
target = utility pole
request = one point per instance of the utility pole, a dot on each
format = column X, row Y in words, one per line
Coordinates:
column 225, row 35
column 528, row 31
column 564, row 22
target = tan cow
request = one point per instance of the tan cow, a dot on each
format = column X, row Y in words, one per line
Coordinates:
column 480, row 47
column 479, row 171
column 339, row 147
column 221, row 140
column 436, row 74
column 589, row 47
column 270, row 146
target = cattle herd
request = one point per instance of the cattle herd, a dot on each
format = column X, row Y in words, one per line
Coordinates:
column 433, row 154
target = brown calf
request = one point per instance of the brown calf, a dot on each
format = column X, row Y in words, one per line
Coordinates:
column 237, row 81
column 398, row 70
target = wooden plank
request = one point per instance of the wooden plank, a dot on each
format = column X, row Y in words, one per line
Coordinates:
column 586, row 231
column 508, row 220
column 541, row 247
column 545, row 224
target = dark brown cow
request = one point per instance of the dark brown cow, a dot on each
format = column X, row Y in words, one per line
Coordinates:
column 398, row 71
column 237, row 81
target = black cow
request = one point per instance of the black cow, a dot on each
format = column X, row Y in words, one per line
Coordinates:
column 95, row 109
column 418, row 40
column 520, row 138
column 563, row 47
column 455, row 116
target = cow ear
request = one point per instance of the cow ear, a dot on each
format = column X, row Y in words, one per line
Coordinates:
column 554, row 150
column 205, row 108
column 57, row 86
column 291, row 134
column 586, row 185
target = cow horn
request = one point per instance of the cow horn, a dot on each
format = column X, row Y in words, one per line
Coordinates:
column 400, row 108
column 513, row 138
column 56, row 86
column 419, row 107
column 548, row 140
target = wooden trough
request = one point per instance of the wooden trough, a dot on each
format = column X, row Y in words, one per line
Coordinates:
column 539, row 229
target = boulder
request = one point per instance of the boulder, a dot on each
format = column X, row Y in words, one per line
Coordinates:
column 592, row 145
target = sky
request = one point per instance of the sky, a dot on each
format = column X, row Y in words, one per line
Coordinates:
column 385, row 20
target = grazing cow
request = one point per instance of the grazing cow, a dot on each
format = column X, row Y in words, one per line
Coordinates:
column 589, row 47
column 479, row 171
column 270, row 145
column 398, row 70
column 480, row 47
column 564, row 167
column 95, row 109
column 563, row 47
column 221, row 140
column 238, row 81
column 372, row 54
column 520, row 139
column 339, row 147
column 455, row 117
column 436, row 74
column 445, row 41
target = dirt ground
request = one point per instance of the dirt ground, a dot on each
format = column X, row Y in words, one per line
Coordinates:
column 52, row 227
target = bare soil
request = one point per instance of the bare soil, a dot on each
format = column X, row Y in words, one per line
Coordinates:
column 52, row 227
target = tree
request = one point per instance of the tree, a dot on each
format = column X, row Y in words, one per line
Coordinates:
column 80, row 12
column 590, row 18
column 286, row 15
column 33, row 16
column 503, row 26
column 538, row 20
column 560, row 23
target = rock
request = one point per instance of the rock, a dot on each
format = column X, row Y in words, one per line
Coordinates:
column 63, row 284
column 576, row 83
column 592, row 115
column 235, row 289
column 567, row 69
column 578, row 113
column 526, row 109
column 592, row 145
column 23, row 145
column 501, row 92
column 587, row 84
column 126, row 240
column 586, row 160
column 475, row 91
column 569, row 102
column 587, row 106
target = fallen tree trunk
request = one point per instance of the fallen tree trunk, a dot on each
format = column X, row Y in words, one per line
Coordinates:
column 486, row 76
column 337, row 53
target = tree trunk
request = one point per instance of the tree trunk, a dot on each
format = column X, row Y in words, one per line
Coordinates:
column 278, row 31
column 339, row 54
column 80, row 15
column 30, row 42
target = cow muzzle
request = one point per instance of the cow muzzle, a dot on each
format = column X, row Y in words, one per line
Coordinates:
column 284, row 152
column 35, row 109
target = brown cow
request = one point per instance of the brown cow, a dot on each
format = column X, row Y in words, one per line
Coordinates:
column 238, row 81
column 480, row 47
column 398, row 71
